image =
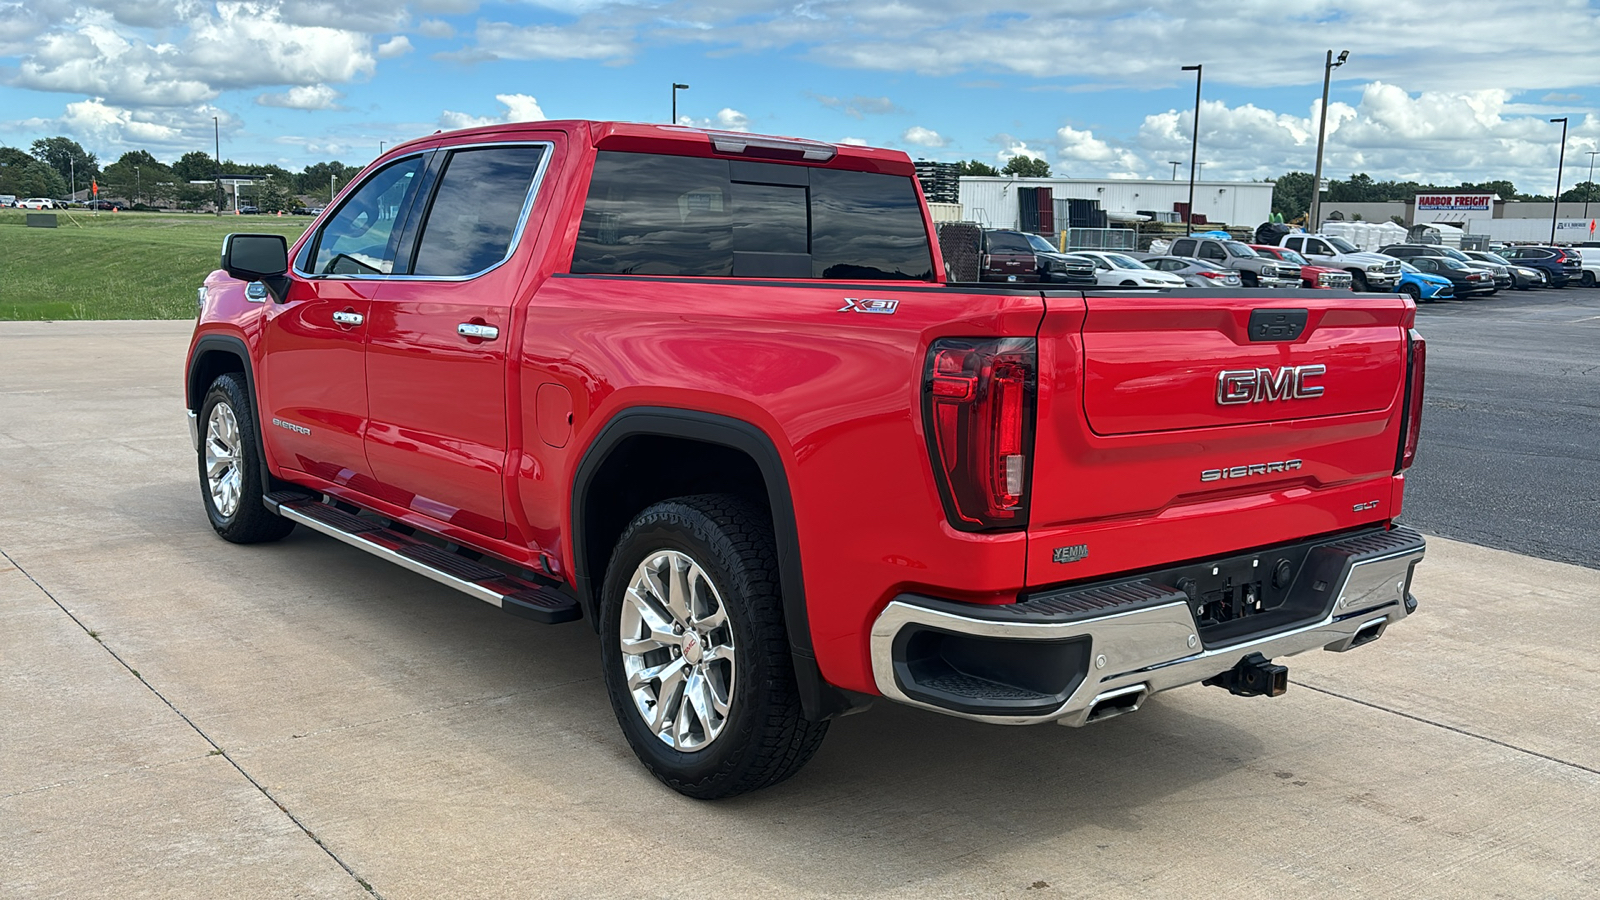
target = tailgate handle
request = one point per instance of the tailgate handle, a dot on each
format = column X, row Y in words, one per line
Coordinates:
column 1277, row 324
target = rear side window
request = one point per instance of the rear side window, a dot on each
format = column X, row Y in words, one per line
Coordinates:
column 673, row 215
column 1008, row 242
column 476, row 210
column 1212, row 250
column 1183, row 247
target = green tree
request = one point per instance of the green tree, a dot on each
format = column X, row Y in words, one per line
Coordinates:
column 275, row 193
column 975, row 167
column 1026, row 167
column 68, row 158
column 196, row 165
column 139, row 178
column 1291, row 195
column 315, row 180
column 25, row 176
column 1583, row 192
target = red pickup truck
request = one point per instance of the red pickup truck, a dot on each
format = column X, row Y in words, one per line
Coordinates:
column 711, row 392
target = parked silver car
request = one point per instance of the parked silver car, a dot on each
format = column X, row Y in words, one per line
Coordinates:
column 1194, row 272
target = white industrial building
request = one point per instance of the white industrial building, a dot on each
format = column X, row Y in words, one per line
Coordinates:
column 992, row 201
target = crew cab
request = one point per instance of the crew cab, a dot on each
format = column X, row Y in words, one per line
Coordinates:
column 1254, row 269
column 1368, row 271
column 712, row 393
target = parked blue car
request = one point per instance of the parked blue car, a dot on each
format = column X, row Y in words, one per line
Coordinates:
column 1422, row 287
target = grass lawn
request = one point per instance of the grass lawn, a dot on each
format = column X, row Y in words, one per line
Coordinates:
column 124, row 265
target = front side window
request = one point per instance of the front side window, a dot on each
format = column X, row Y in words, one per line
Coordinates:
column 361, row 238
column 476, row 210
column 648, row 214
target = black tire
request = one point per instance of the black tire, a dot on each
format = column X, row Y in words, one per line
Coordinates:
column 249, row 522
column 1358, row 282
column 1588, row 279
column 1412, row 291
column 764, row 737
column 1249, row 279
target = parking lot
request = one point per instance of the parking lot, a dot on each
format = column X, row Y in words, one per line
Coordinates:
column 186, row 717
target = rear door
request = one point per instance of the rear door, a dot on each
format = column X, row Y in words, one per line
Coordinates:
column 1166, row 432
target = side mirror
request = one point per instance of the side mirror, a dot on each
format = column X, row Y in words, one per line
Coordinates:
column 258, row 257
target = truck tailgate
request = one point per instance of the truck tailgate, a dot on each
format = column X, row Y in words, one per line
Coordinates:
column 1166, row 433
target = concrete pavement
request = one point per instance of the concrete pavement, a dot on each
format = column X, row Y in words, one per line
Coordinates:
column 184, row 717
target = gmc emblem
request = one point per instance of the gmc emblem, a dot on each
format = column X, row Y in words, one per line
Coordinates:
column 1260, row 385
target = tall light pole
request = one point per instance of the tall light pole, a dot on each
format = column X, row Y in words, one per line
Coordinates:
column 217, row 132
column 137, row 184
column 72, row 170
column 1174, row 163
column 1194, row 143
column 676, row 87
column 1555, row 208
column 1202, row 170
column 1590, row 189
column 1322, row 135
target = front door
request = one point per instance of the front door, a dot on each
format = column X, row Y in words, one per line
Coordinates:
column 439, row 339
column 314, row 383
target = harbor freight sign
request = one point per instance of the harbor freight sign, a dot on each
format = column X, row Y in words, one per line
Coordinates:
column 1453, row 202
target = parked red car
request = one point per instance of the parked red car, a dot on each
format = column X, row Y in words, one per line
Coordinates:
column 711, row 392
column 1311, row 276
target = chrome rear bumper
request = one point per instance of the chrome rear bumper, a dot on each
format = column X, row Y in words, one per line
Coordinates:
column 1150, row 644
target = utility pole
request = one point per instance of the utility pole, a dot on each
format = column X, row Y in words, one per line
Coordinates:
column 1555, row 208
column 676, row 87
column 1194, row 144
column 217, row 132
column 1322, row 134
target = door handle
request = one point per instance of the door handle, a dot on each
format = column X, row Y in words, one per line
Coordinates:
column 474, row 330
column 344, row 317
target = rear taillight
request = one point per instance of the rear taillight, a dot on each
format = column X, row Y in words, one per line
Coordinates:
column 1416, row 372
column 985, row 262
column 1204, row 274
column 977, row 409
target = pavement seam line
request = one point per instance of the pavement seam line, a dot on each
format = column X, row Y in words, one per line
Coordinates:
column 197, row 729
column 1461, row 731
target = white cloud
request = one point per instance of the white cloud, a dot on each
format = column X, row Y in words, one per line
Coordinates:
column 1439, row 137
column 112, row 129
column 436, row 28
column 852, row 141
column 1020, row 148
column 858, row 107
column 315, row 96
column 395, row 47
column 503, row 40
column 519, row 108
column 1074, row 146
column 923, row 137
column 726, row 119
column 243, row 45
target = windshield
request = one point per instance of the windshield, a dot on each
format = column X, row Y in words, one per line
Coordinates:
column 1041, row 245
column 1124, row 262
column 1289, row 256
column 1237, row 249
column 1494, row 258
column 1342, row 245
column 1453, row 253
column 1410, row 269
column 1449, row 263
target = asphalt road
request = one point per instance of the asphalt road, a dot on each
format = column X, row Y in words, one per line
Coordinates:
column 1510, row 452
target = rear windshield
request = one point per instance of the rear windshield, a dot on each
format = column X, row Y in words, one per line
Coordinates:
column 648, row 214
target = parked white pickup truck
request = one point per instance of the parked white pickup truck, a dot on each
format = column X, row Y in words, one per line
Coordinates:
column 1368, row 271
column 1254, row 269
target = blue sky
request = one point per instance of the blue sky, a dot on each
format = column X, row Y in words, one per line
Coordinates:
column 1092, row 86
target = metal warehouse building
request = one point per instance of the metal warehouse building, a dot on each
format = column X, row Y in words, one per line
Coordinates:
column 993, row 201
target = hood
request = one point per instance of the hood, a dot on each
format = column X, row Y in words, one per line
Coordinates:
column 1366, row 258
column 1314, row 271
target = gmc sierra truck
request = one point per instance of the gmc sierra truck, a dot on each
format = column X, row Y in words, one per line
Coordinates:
column 712, row 393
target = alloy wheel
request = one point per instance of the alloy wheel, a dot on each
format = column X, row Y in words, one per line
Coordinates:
column 677, row 650
column 224, row 477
